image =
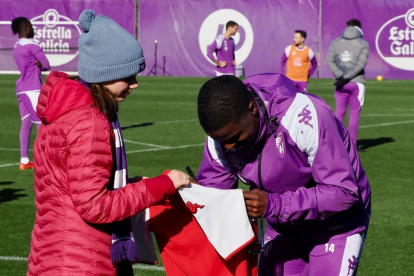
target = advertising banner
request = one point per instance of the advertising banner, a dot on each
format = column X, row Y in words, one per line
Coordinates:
column 388, row 26
column 181, row 30
column 56, row 27
column 184, row 28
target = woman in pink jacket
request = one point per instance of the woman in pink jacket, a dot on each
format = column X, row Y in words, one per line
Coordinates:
column 80, row 165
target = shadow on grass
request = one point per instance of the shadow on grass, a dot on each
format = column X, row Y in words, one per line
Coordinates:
column 137, row 125
column 369, row 143
column 10, row 195
column 6, row 182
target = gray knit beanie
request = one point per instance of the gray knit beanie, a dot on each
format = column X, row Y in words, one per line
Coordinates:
column 107, row 51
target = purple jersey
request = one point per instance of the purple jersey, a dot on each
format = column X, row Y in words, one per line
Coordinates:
column 307, row 164
column 26, row 52
column 224, row 49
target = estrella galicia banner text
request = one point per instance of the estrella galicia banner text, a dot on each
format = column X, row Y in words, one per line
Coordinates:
column 56, row 27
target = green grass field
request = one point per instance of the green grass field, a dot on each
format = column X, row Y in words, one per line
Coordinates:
column 162, row 131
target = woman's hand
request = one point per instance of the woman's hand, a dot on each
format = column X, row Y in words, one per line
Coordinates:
column 179, row 178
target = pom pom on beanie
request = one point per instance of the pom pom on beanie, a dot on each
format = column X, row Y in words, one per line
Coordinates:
column 85, row 19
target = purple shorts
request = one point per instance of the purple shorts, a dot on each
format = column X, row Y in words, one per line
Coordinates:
column 27, row 106
column 301, row 86
column 340, row 255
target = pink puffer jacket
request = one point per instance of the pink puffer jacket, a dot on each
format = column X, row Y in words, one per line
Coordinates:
column 73, row 165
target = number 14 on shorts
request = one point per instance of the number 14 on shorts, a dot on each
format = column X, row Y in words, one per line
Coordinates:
column 329, row 247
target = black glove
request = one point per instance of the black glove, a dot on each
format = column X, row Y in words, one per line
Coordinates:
column 340, row 82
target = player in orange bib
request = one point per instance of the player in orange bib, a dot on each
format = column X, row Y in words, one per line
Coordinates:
column 301, row 61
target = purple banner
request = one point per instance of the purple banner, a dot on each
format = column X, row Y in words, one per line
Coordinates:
column 56, row 27
column 184, row 28
column 388, row 27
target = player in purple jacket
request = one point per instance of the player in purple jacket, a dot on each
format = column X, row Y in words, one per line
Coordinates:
column 305, row 175
column 30, row 61
column 224, row 48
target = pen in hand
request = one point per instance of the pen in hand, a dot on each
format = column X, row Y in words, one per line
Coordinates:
column 190, row 173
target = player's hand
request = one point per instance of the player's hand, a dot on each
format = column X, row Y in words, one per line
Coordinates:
column 38, row 64
column 222, row 64
column 234, row 62
column 256, row 203
column 179, row 178
column 340, row 82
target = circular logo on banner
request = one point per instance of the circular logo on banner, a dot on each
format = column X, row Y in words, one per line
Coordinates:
column 395, row 41
column 211, row 27
column 345, row 56
column 409, row 18
column 50, row 18
column 57, row 35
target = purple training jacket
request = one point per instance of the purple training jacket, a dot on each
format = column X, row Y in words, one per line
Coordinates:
column 309, row 167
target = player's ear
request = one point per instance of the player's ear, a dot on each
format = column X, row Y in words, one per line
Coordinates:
column 253, row 108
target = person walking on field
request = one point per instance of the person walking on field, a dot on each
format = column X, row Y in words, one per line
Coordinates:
column 347, row 58
column 83, row 198
column 30, row 61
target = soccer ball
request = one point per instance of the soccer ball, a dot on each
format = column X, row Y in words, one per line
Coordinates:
column 379, row 78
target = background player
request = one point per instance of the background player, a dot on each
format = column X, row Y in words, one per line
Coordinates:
column 30, row 61
column 301, row 61
column 224, row 48
column 347, row 58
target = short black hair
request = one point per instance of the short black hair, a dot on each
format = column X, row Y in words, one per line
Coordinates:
column 221, row 101
column 18, row 24
column 302, row 33
column 354, row 22
column 231, row 24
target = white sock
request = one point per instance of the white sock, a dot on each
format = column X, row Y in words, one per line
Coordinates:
column 24, row 160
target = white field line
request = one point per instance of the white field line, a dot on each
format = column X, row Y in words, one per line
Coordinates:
column 159, row 147
column 136, row 266
column 388, row 124
column 148, row 267
column 167, row 148
column 9, row 165
column 145, row 144
column 13, row 149
column 167, row 122
column 387, row 115
column 187, row 104
column 177, row 121
column 12, row 258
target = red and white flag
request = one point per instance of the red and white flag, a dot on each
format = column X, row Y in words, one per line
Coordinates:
column 222, row 216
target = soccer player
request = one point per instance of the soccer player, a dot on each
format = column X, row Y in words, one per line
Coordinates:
column 301, row 61
column 305, row 174
column 30, row 61
column 347, row 58
column 224, row 48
